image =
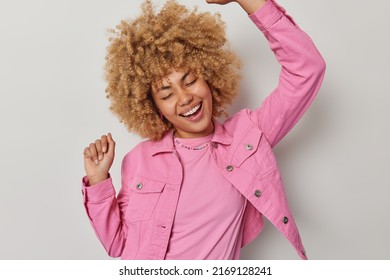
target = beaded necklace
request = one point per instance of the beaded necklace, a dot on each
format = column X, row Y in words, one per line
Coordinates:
column 192, row 148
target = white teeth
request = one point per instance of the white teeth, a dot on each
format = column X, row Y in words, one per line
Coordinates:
column 190, row 112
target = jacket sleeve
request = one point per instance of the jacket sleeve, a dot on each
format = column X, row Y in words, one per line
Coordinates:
column 301, row 75
column 106, row 213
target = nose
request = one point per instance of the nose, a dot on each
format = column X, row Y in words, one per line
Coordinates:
column 185, row 98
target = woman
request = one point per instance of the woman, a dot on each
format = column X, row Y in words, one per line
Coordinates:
column 197, row 189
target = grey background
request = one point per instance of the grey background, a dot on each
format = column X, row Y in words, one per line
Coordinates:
column 335, row 163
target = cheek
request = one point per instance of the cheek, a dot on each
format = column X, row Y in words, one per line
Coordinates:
column 205, row 91
column 209, row 97
column 167, row 108
column 160, row 105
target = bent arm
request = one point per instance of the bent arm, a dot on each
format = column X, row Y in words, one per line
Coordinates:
column 301, row 75
column 106, row 213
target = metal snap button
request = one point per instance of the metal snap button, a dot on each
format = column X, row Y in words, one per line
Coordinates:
column 139, row 186
column 229, row 168
column 248, row 147
column 258, row 193
column 285, row 220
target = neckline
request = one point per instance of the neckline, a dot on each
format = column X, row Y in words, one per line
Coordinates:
column 196, row 144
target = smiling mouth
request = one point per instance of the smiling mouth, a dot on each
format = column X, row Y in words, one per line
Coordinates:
column 192, row 112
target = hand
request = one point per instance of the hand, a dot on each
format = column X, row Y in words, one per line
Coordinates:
column 98, row 158
column 250, row 6
column 220, row 2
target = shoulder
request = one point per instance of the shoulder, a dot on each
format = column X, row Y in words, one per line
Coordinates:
column 145, row 150
column 140, row 150
column 240, row 121
column 150, row 159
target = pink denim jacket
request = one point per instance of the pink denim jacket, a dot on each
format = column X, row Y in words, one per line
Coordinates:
column 137, row 224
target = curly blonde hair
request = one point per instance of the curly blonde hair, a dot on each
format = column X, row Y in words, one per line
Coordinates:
column 146, row 49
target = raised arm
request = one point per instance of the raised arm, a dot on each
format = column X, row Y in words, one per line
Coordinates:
column 302, row 68
column 301, row 75
column 105, row 211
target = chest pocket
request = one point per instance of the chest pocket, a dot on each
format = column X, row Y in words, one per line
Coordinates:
column 143, row 198
column 247, row 146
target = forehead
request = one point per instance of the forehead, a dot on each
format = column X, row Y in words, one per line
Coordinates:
column 172, row 77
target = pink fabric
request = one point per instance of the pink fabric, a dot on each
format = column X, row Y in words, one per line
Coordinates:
column 208, row 220
column 138, row 223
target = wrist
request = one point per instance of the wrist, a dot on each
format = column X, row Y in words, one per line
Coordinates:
column 93, row 180
column 251, row 6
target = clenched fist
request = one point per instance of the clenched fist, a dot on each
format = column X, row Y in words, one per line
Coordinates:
column 98, row 158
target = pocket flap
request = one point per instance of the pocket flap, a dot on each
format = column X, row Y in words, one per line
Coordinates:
column 247, row 146
column 144, row 196
column 145, row 185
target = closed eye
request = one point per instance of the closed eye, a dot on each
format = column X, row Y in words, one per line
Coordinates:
column 167, row 97
column 191, row 83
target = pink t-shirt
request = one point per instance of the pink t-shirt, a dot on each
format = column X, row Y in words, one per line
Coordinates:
column 208, row 220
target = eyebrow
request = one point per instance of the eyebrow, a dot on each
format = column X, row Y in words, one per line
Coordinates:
column 181, row 80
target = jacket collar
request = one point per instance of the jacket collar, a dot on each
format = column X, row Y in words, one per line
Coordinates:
column 220, row 134
column 166, row 145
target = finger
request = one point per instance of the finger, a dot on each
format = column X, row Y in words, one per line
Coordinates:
column 94, row 154
column 104, row 143
column 87, row 153
column 111, row 143
column 98, row 145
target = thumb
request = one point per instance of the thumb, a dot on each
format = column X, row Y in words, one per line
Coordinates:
column 111, row 143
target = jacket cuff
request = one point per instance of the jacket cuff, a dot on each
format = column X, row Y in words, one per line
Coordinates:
column 269, row 14
column 97, row 192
